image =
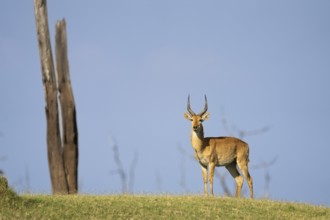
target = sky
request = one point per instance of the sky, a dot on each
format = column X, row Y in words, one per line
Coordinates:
column 133, row 64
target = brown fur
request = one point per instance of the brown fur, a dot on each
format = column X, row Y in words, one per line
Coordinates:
column 218, row 151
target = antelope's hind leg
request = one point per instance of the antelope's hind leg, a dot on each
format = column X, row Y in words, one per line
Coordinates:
column 237, row 176
column 244, row 168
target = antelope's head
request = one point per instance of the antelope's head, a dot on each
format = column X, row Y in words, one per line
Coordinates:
column 196, row 119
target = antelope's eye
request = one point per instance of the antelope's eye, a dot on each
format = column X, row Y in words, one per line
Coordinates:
column 200, row 120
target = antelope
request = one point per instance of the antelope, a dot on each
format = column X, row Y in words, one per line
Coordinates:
column 210, row 152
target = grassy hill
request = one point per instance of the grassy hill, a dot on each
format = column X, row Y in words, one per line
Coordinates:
column 150, row 207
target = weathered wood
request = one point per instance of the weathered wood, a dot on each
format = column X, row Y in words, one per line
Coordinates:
column 54, row 146
column 69, row 122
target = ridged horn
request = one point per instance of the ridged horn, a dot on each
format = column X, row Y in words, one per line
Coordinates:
column 191, row 112
column 205, row 108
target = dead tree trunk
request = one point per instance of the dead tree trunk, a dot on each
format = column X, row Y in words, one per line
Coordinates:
column 68, row 109
column 62, row 160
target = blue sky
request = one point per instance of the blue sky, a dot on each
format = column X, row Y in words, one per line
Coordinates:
column 133, row 64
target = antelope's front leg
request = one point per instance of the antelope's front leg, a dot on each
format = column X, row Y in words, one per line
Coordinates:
column 211, row 169
column 204, row 172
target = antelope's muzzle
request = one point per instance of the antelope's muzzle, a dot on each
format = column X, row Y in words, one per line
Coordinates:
column 195, row 128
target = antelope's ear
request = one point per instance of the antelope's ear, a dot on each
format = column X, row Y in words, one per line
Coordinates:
column 187, row 116
column 205, row 116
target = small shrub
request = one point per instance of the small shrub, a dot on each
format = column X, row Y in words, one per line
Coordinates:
column 7, row 196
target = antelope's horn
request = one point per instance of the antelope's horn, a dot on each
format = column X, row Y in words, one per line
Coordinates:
column 205, row 107
column 191, row 112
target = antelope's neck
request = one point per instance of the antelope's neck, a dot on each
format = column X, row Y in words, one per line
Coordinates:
column 197, row 139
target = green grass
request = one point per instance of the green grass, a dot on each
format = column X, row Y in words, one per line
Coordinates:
column 152, row 207
column 155, row 207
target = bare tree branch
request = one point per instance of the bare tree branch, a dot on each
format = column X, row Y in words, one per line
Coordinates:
column 223, row 183
column 240, row 132
column 124, row 178
column 182, row 181
column 264, row 165
column 132, row 172
column 185, row 153
column 120, row 170
column 243, row 133
column 224, row 122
